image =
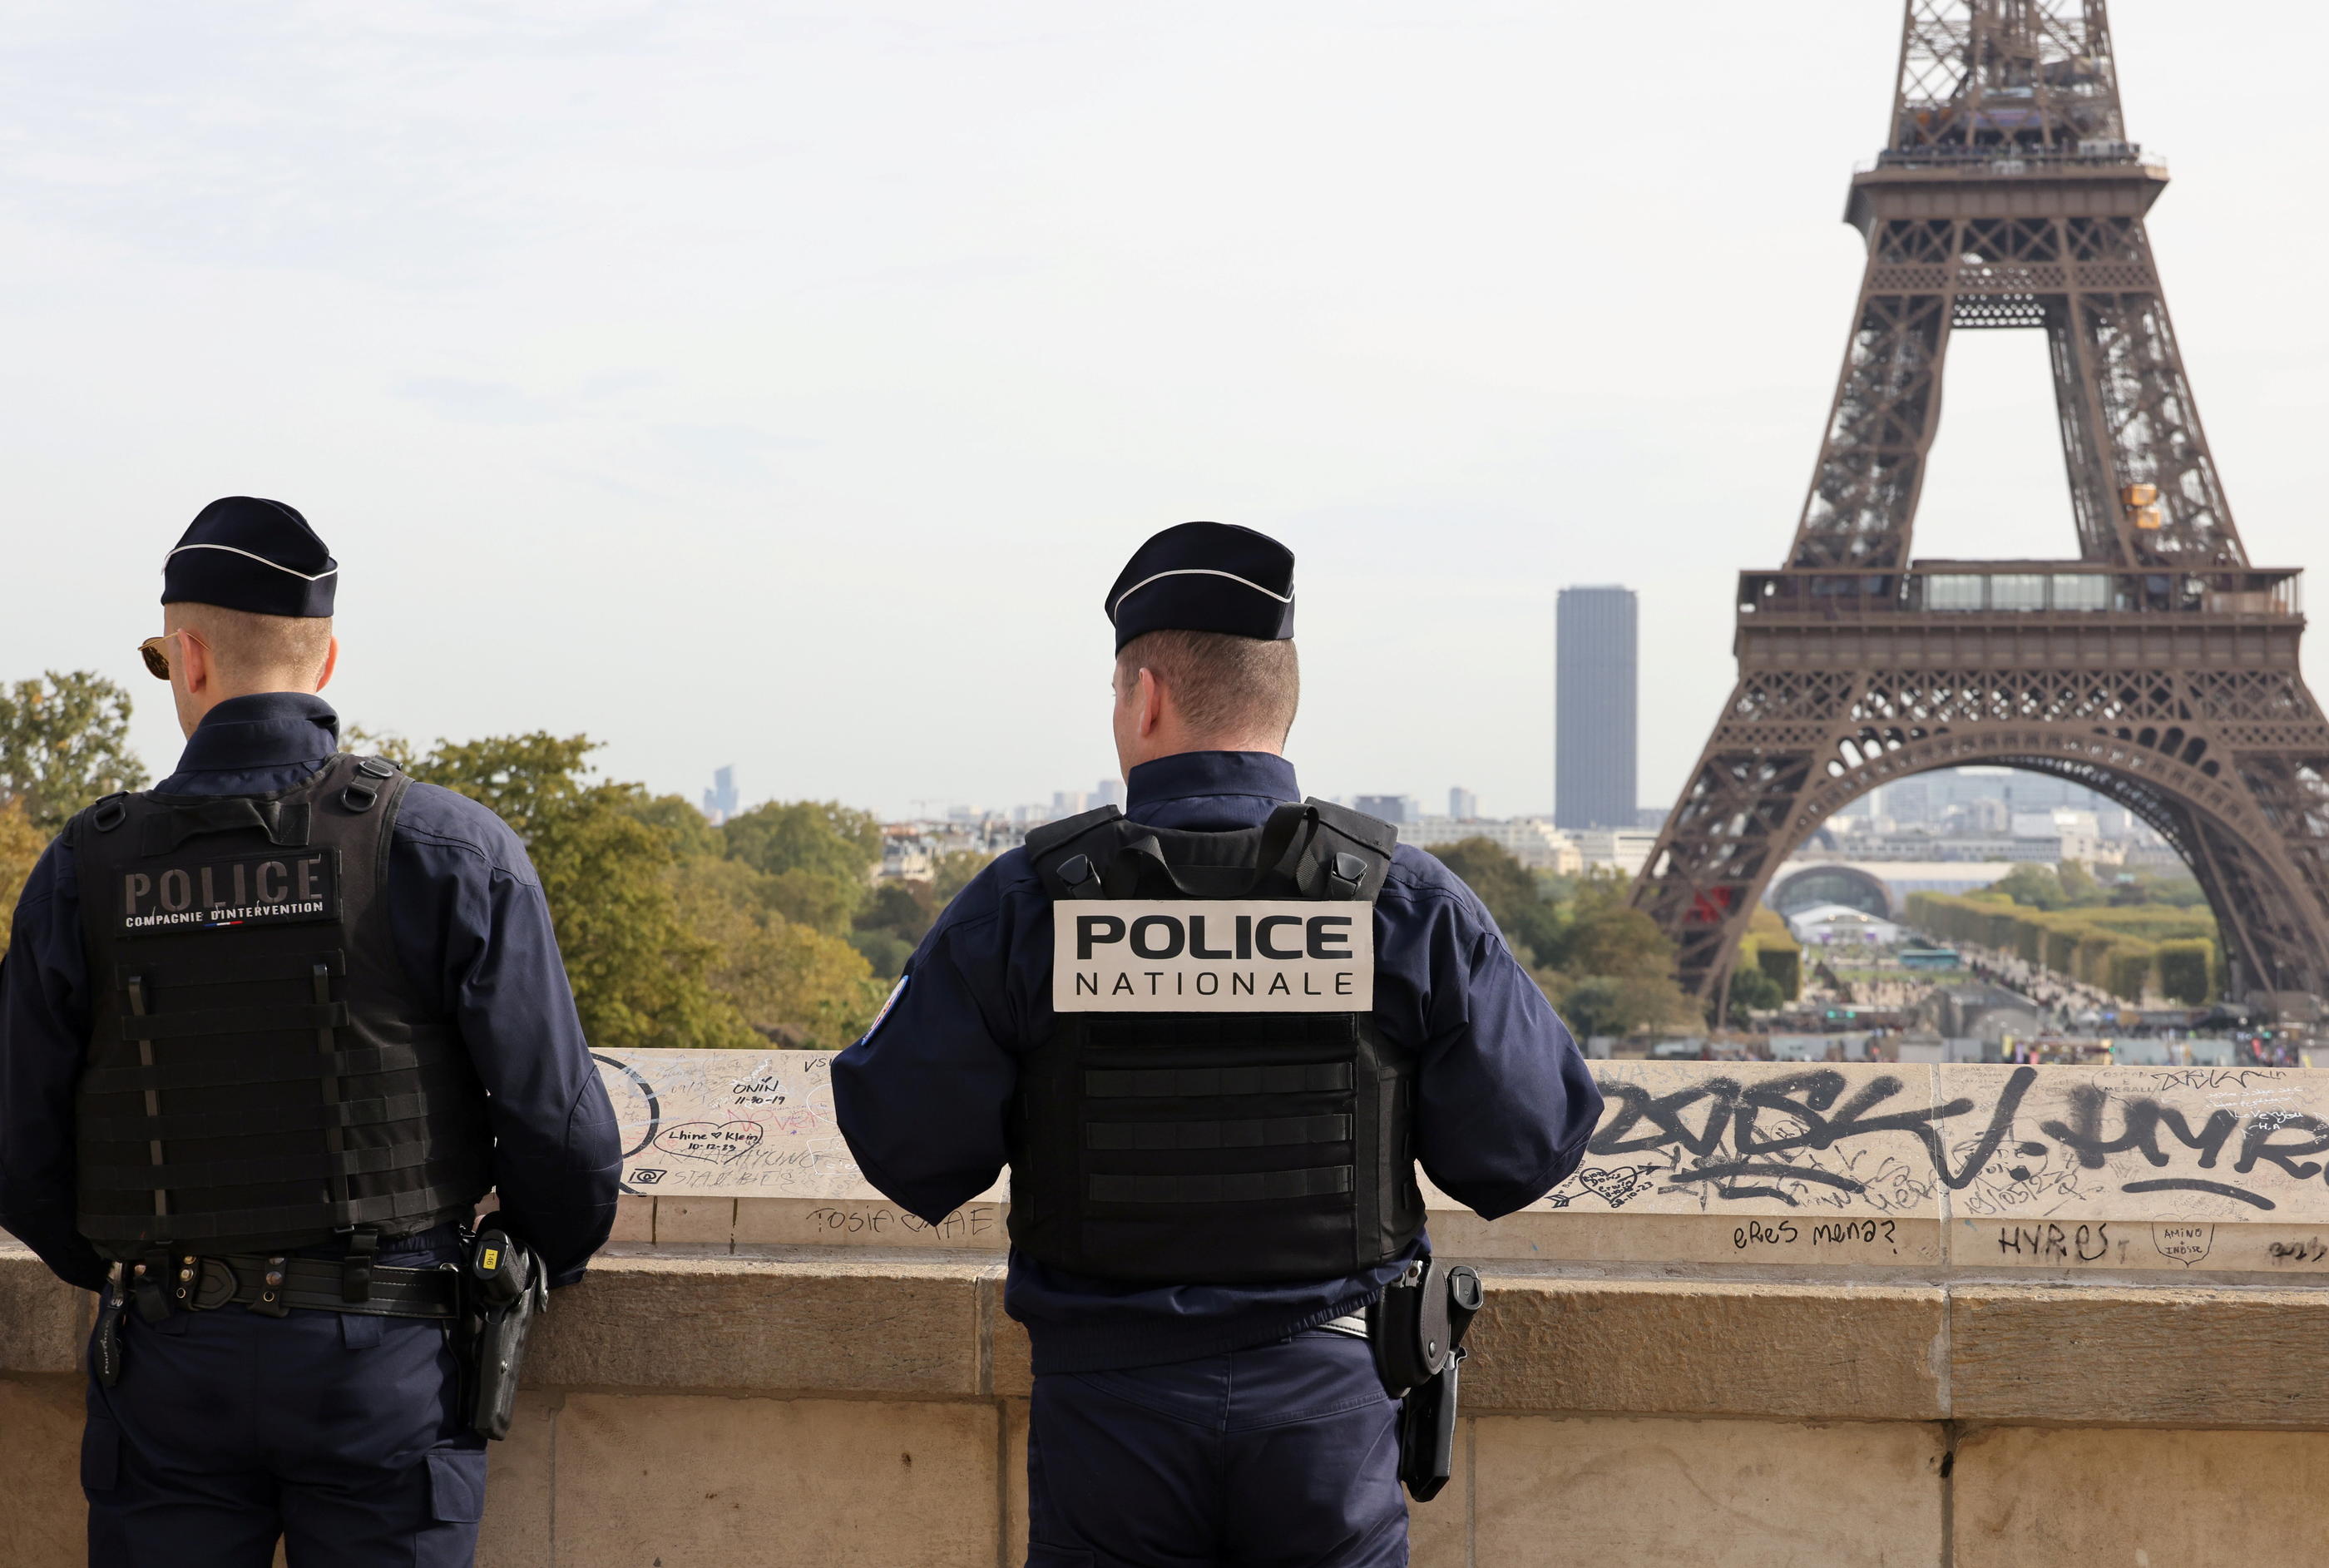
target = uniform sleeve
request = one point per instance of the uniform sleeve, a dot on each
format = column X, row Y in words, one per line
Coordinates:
column 44, row 1023
column 1505, row 1103
column 924, row 1099
column 477, row 925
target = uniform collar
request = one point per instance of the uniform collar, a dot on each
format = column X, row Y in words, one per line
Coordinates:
column 1195, row 775
column 267, row 730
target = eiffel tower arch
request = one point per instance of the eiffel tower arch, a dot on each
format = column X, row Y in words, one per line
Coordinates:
column 2157, row 666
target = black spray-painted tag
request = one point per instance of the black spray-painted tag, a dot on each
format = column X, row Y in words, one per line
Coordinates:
column 287, row 888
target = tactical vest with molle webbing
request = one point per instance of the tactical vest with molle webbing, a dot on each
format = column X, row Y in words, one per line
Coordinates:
column 1214, row 1104
column 262, row 1073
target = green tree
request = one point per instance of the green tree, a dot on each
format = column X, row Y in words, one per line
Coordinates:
column 1752, row 991
column 64, row 741
column 1784, row 966
column 359, row 742
column 790, row 983
column 691, row 834
column 2183, row 966
column 1615, row 1004
column 954, row 871
column 818, row 855
column 1504, row 884
column 822, row 835
column 642, row 974
column 893, row 923
column 21, row 843
column 2037, row 887
column 1516, row 901
column 2079, row 888
column 1606, row 965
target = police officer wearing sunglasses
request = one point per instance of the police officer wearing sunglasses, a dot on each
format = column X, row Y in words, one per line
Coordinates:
column 1212, row 1036
column 268, row 1033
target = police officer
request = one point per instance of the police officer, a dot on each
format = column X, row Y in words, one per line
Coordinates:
column 1211, row 1037
column 268, row 1033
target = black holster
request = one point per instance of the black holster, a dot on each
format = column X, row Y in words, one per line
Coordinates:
column 1417, row 1331
column 105, row 1345
column 503, row 1290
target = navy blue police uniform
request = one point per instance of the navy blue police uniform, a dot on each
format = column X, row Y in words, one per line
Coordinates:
column 1224, row 1413
column 336, row 1431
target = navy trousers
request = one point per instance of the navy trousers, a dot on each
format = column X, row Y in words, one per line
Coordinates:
column 1281, row 1457
column 335, row 1433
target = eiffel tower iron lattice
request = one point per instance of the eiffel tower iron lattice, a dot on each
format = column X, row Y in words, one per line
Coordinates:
column 2158, row 667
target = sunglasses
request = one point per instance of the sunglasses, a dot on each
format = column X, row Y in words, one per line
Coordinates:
column 155, row 652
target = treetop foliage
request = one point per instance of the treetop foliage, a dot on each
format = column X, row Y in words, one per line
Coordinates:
column 823, row 836
column 21, row 843
column 64, row 741
column 1605, row 965
column 676, row 932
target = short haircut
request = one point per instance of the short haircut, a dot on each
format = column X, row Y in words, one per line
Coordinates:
column 252, row 650
column 1233, row 688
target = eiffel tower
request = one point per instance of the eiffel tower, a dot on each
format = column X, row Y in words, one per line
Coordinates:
column 2158, row 667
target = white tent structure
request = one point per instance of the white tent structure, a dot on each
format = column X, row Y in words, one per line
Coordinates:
column 1838, row 925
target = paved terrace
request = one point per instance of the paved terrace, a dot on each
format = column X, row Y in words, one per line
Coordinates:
column 1861, row 1314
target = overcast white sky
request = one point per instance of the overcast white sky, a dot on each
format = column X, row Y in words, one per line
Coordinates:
column 782, row 384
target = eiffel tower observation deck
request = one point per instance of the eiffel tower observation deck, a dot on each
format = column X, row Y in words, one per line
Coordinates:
column 2156, row 665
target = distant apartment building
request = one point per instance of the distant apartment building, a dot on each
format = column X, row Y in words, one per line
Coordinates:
column 1625, row 849
column 1109, row 793
column 2039, row 848
column 1595, row 706
column 1463, row 804
column 2056, row 820
column 910, row 849
column 1395, row 810
column 1532, row 841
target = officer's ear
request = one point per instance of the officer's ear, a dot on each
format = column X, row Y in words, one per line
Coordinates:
column 331, row 663
column 1145, row 698
column 196, row 665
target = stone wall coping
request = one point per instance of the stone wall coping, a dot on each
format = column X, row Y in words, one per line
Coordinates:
column 879, row 1325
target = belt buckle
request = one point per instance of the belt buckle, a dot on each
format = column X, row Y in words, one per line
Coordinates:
column 213, row 1287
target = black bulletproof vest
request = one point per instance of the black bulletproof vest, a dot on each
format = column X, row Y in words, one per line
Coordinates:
column 260, row 1071
column 1219, row 1146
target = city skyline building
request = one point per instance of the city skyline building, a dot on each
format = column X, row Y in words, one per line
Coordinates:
column 1395, row 810
column 1462, row 804
column 1596, row 688
column 720, row 801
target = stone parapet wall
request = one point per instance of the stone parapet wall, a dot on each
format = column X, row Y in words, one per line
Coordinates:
column 870, row 1407
column 1654, row 1381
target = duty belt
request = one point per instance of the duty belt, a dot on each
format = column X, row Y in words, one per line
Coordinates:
column 273, row 1286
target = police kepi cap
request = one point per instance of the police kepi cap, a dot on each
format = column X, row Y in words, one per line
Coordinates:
column 241, row 553
column 1205, row 577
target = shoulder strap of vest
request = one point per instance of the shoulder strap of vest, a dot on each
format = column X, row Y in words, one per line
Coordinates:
column 1348, row 855
column 1370, row 831
column 1041, row 841
column 100, row 816
column 286, row 823
column 371, row 778
column 1056, row 846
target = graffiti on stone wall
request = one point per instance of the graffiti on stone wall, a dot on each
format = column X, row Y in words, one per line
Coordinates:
column 728, row 1122
column 2008, row 1142
column 1815, row 1146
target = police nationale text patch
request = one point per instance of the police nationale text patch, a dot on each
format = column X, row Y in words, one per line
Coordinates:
column 285, row 888
column 1213, row 956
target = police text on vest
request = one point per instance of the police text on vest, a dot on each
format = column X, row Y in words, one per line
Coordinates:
column 1213, row 956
